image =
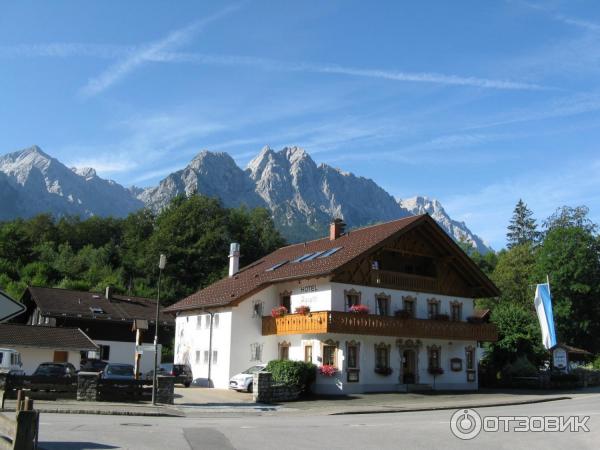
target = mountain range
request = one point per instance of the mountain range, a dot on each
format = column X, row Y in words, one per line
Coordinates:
column 301, row 195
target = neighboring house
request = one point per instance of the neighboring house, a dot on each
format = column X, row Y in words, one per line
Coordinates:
column 416, row 282
column 107, row 319
column 39, row 344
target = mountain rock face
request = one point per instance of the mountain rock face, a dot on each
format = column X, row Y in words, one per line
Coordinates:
column 302, row 196
column 210, row 174
column 39, row 183
column 458, row 230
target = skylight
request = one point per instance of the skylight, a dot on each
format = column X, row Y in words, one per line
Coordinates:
column 276, row 266
column 330, row 252
column 304, row 257
column 313, row 256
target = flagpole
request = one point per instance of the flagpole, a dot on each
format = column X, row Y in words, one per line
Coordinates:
column 548, row 281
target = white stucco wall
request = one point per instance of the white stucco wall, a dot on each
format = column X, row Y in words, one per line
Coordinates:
column 32, row 357
column 192, row 335
column 124, row 353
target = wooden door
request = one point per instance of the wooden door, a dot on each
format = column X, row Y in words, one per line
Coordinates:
column 409, row 367
column 60, row 356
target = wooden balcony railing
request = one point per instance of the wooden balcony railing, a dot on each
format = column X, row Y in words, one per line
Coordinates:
column 400, row 280
column 374, row 325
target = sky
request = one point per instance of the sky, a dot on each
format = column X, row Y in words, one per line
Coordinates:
column 474, row 103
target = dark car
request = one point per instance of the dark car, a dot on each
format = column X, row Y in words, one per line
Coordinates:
column 181, row 372
column 52, row 369
column 118, row 372
column 93, row 365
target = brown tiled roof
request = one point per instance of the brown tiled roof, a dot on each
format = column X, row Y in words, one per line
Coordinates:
column 58, row 338
column 256, row 276
column 56, row 302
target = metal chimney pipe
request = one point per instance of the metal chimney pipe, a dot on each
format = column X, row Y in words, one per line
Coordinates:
column 234, row 258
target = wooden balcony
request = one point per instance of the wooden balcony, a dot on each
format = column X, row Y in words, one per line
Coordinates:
column 373, row 325
column 398, row 280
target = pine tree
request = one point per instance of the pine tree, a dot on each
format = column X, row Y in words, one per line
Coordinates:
column 522, row 228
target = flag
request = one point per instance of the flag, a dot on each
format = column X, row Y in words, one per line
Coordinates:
column 543, row 307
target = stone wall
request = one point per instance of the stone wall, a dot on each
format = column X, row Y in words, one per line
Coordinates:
column 265, row 391
column 87, row 386
column 165, row 390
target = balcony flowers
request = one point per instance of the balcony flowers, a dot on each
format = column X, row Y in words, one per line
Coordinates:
column 328, row 370
column 385, row 371
column 279, row 311
column 359, row 309
column 303, row 310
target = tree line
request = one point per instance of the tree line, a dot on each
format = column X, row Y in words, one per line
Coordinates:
column 566, row 250
column 194, row 232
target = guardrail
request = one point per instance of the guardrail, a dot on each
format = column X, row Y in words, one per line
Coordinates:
column 20, row 433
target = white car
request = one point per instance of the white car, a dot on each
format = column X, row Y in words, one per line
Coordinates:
column 243, row 381
column 10, row 362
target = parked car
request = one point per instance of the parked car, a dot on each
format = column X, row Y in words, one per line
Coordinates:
column 181, row 372
column 10, row 362
column 53, row 369
column 118, row 372
column 243, row 381
column 92, row 365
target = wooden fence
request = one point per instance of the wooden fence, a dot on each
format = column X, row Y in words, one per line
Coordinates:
column 20, row 433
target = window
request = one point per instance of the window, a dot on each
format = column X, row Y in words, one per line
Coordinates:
column 408, row 304
column 257, row 309
column 455, row 311
column 216, row 321
column 433, row 308
column 105, row 352
column 382, row 356
column 284, row 350
column 206, row 355
column 285, row 299
column 197, row 356
column 470, row 358
column 383, row 304
column 308, row 353
column 329, row 353
column 434, row 357
column 352, row 298
column 352, row 361
column 255, row 352
column 215, row 356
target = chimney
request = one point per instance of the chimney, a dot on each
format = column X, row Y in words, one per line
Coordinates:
column 234, row 258
column 108, row 293
column 336, row 229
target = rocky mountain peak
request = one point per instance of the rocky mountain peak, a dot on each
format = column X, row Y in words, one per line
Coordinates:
column 85, row 172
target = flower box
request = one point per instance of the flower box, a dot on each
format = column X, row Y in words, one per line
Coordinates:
column 328, row 370
column 302, row 309
column 385, row 371
column 279, row 311
column 359, row 309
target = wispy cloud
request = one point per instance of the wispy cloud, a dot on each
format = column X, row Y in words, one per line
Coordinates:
column 568, row 20
column 173, row 40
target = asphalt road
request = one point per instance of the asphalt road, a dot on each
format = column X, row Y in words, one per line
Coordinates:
column 430, row 429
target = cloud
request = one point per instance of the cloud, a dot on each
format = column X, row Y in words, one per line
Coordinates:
column 146, row 53
column 568, row 20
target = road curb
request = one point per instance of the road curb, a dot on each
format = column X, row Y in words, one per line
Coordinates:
column 104, row 412
column 446, row 408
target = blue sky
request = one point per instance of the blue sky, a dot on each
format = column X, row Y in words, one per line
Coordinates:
column 474, row 103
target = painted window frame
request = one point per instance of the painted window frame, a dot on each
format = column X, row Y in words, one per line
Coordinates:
column 386, row 299
column 382, row 349
column 412, row 301
column 454, row 307
column 334, row 346
column 434, row 357
column 433, row 308
column 352, row 297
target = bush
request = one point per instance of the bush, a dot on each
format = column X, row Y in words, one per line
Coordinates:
column 564, row 378
column 292, row 373
column 521, row 367
column 596, row 363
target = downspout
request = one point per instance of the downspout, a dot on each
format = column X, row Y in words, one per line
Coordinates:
column 210, row 348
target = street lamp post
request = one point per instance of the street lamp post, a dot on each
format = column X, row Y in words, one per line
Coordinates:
column 161, row 265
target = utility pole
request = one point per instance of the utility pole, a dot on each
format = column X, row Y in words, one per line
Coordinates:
column 161, row 265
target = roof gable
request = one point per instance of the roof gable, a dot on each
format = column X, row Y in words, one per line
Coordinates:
column 58, row 338
column 280, row 265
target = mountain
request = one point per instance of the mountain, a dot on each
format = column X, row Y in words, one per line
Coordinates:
column 301, row 195
column 458, row 230
column 39, row 183
column 211, row 174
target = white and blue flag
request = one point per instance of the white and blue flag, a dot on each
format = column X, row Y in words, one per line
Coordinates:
column 543, row 307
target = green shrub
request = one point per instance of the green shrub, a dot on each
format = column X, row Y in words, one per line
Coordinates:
column 292, row 373
column 521, row 367
column 596, row 363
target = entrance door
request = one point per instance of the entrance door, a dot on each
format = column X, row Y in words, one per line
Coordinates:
column 409, row 367
column 61, row 356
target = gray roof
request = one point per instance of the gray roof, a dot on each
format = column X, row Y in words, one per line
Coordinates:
column 58, row 338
